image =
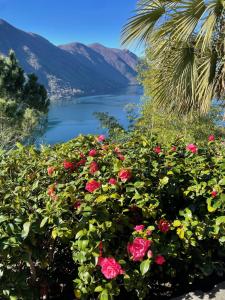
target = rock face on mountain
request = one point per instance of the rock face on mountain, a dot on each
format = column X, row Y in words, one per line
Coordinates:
column 72, row 69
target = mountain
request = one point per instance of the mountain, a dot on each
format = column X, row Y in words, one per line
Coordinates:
column 72, row 69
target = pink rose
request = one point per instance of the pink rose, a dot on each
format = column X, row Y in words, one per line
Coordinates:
column 157, row 149
column 214, row 193
column 68, row 165
column 112, row 181
column 139, row 227
column 101, row 138
column 50, row 170
column 125, row 175
column 92, row 185
column 110, row 268
column 211, row 138
column 138, row 248
column 192, row 148
column 160, row 260
column 92, row 152
column 164, row 225
column 93, row 167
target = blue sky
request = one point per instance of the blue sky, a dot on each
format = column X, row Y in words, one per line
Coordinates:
column 64, row 21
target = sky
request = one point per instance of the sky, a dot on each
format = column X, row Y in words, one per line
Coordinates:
column 65, row 21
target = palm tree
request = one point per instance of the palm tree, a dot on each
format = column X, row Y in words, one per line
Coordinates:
column 187, row 44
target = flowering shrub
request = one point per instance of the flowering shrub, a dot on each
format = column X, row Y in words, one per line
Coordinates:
column 71, row 214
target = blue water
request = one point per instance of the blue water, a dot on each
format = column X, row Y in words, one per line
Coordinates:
column 69, row 118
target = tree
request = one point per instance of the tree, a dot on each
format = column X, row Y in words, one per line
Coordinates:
column 187, row 51
column 23, row 102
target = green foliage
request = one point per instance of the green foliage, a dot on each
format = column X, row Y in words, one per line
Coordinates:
column 23, row 102
column 52, row 230
column 191, row 128
column 186, row 41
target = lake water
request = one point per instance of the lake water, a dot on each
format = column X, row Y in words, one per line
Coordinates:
column 69, row 118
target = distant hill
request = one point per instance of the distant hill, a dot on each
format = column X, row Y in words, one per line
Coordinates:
column 72, row 69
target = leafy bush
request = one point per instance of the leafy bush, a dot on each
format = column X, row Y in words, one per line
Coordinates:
column 110, row 216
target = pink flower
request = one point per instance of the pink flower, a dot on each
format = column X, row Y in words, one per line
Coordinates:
column 112, row 181
column 110, row 268
column 211, row 138
column 68, row 165
column 164, row 225
column 92, row 152
column 50, row 170
column 157, row 149
column 150, row 254
column 214, row 193
column 92, row 185
column 138, row 248
column 121, row 156
column 192, row 148
column 148, row 232
column 160, row 260
column 139, row 227
column 125, row 175
column 93, row 167
column 101, row 138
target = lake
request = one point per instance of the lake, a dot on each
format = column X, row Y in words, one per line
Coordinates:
column 69, row 118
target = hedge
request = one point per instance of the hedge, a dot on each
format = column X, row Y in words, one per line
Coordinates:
column 100, row 218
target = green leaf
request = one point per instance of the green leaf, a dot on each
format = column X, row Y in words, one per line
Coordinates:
column 98, row 289
column 104, row 295
column 220, row 220
column 26, row 229
column 43, row 222
column 164, row 180
column 144, row 266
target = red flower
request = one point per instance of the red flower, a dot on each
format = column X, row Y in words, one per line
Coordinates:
column 112, row 181
column 174, row 148
column 192, row 148
column 138, row 248
column 101, row 138
column 81, row 162
column 214, row 193
column 51, row 192
column 211, row 138
column 50, row 170
column 125, row 175
column 93, row 167
column 121, row 156
column 92, row 152
column 68, row 165
column 92, row 185
column 77, row 204
column 164, row 225
column 160, row 260
column 139, row 227
column 110, row 268
column 157, row 149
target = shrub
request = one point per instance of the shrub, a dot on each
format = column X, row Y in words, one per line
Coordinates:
column 129, row 216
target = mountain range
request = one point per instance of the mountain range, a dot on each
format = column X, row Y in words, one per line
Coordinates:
column 71, row 69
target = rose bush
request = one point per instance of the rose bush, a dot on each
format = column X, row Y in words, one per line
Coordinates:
column 73, row 216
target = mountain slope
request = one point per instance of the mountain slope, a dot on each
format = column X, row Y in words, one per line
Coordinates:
column 69, row 69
